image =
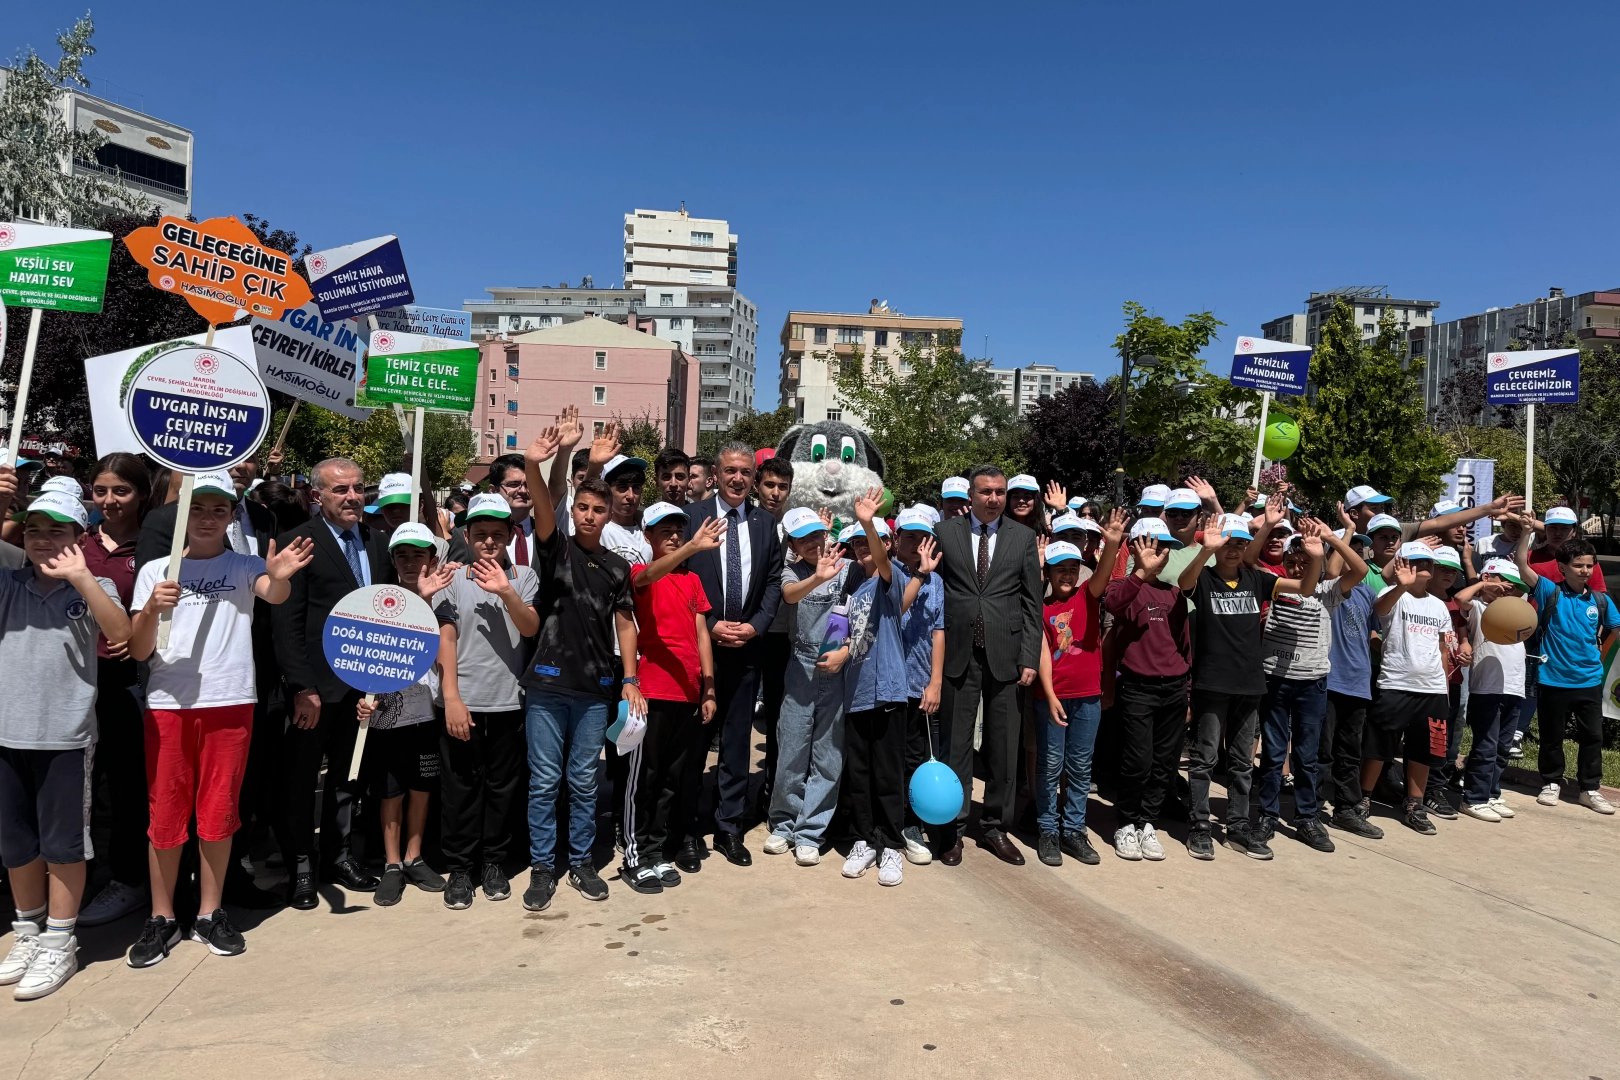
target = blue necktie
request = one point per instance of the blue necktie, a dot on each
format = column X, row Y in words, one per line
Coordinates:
column 351, row 551
column 734, row 590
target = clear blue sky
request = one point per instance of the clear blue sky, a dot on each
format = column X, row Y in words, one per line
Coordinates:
column 1025, row 169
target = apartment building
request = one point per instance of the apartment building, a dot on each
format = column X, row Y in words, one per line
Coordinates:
column 1024, row 387
column 1370, row 303
column 811, row 339
column 1592, row 319
column 669, row 247
column 1289, row 328
column 150, row 156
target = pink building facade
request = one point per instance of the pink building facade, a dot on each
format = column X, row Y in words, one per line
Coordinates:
column 611, row 371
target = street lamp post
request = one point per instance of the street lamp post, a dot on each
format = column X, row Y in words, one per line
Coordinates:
column 1144, row 361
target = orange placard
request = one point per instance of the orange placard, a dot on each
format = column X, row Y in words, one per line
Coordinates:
column 219, row 266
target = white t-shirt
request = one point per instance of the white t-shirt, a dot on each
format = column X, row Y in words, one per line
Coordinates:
column 1414, row 633
column 209, row 661
column 627, row 543
column 1498, row 669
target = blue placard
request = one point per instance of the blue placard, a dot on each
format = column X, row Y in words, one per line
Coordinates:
column 1536, row 376
column 380, row 639
column 197, row 408
column 1277, row 366
column 359, row 278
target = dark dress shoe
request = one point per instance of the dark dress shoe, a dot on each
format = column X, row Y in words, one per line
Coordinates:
column 301, row 892
column 952, row 856
column 688, row 858
column 351, row 875
column 1002, row 848
column 731, row 846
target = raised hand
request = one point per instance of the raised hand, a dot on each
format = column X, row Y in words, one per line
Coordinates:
column 1149, row 559
column 1503, row 505
column 1114, row 529
column 569, row 429
column 927, row 555
column 66, row 565
column 438, row 578
column 606, row 445
column 1276, row 510
column 544, row 447
column 282, row 565
column 1313, row 544
column 1057, row 496
column 273, row 460
column 710, row 536
column 1041, row 540
column 1344, row 517
column 866, row 507
column 491, row 576
column 1406, row 574
column 1250, row 497
column 1202, row 488
column 827, row 564
column 826, row 518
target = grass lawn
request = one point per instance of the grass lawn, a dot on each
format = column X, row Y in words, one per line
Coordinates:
column 1611, row 758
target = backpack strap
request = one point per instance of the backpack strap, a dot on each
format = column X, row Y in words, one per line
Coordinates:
column 1543, row 617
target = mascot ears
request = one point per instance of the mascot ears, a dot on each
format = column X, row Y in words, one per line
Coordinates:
column 835, row 431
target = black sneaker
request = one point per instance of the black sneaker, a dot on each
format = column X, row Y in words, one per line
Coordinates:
column 218, row 934
column 1077, row 846
column 1200, row 845
column 158, row 936
column 670, row 876
column 1413, row 817
column 1516, row 747
column 1047, row 850
column 1440, row 806
column 1347, row 820
column 458, row 893
column 1265, row 831
column 391, row 887
column 589, row 883
column 421, row 875
column 643, row 879
column 537, row 897
column 496, row 887
column 1312, row 834
column 1240, row 837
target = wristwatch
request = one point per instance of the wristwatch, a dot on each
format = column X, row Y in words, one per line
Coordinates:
column 631, row 680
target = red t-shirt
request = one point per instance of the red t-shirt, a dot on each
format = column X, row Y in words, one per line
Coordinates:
column 1549, row 570
column 666, row 635
column 1074, row 635
column 117, row 566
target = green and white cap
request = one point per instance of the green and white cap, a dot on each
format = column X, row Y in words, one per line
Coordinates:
column 412, row 532
column 488, row 506
column 65, row 484
column 214, row 483
column 1506, row 569
column 394, row 488
column 60, row 506
column 1447, row 556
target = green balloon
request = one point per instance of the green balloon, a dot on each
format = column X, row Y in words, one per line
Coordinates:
column 888, row 503
column 1282, row 437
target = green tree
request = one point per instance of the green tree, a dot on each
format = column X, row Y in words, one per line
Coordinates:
column 1179, row 408
column 35, row 142
column 933, row 414
column 375, row 443
column 1366, row 423
column 757, row 429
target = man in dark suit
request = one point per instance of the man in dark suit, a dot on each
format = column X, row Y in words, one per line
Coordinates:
column 743, row 581
column 992, row 647
column 348, row 556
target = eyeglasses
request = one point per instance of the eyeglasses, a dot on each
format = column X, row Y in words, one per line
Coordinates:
column 513, row 485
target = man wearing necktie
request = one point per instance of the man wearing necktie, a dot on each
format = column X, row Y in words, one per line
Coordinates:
column 743, row 582
column 348, row 556
column 993, row 594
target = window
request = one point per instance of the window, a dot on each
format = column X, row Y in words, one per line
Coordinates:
column 676, row 324
column 601, row 361
column 835, row 414
column 511, row 406
column 850, row 335
column 1369, row 328
column 1369, row 310
column 798, row 332
column 917, row 337
column 511, row 371
column 703, row 239
column 596, row 429
column 599, row 395
column 511, row 440
column 880, row 339
column 492, row 425
column 702, row 276
column 494, row 373
column 666, row 299
column 821, row 335
column 492, row 400
column 139, row 165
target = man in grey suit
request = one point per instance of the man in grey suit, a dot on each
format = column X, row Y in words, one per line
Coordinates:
column 992, row 647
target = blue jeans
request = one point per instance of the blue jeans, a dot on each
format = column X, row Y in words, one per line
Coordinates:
column 563, row 728
column 809, row 753
column 1062, row 750
column 1493, row 719
column 1293, row 710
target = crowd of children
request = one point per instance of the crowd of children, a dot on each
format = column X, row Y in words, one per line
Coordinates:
column 1293, row 661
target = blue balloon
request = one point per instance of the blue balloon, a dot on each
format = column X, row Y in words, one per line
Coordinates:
column 936, row 793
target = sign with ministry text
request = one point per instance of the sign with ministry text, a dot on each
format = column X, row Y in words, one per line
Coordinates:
column 416, row 370
column 380, row 639
column 43, row 266
column 1535, row 376
column 1278, row 366
column 219, row 266
column 310, row 358
column 198, row 408
column 359, row 278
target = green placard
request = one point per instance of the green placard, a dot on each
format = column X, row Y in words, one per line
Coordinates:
column 57, row 269
column 415, row 370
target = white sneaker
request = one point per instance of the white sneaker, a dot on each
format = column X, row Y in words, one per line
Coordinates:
column 1480, row 811
column 776, row 844
column 1548, row 796
column 53, row 965
column 1148, row 841
column 113, row 903
column 860, row 859
column 890, row 866
column 15, row 965
column 1501, row 807
column 916, row 847
column 1128, row 846
column 807, row 854
column 1593, row 800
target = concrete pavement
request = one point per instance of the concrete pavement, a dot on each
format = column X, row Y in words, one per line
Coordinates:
column 1486, row 951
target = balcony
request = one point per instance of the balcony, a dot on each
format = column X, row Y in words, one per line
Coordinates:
column 715, row 378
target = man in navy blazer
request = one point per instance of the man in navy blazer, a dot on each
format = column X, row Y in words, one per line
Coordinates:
column 743, row 581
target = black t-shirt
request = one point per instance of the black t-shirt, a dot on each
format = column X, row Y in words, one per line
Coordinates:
column 1228, row 654
column 579, row 592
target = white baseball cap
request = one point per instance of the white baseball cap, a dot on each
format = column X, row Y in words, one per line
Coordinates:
column 1561, row 515
column 1153, row 529
column 1506, row 569
column 489, row 505
column 1444, row 507
column 1363, row 493
column 214, row 483
column 852, row 531
column 1448, row 556
column 623, row 461
column 1382, row 521
column 65, row 484
column 1154, row 495
column 1076, row 503
column 394, row 488
column 927, row 511
column 1183, row 499
column 1061, row 551
column 1023, row 482
column 954, row 487
column 1234, row 527
column 414, row 533
column 914, row 520
column 798, row 522
column 658, row 511
column 60, row 506
column 1413, row 550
